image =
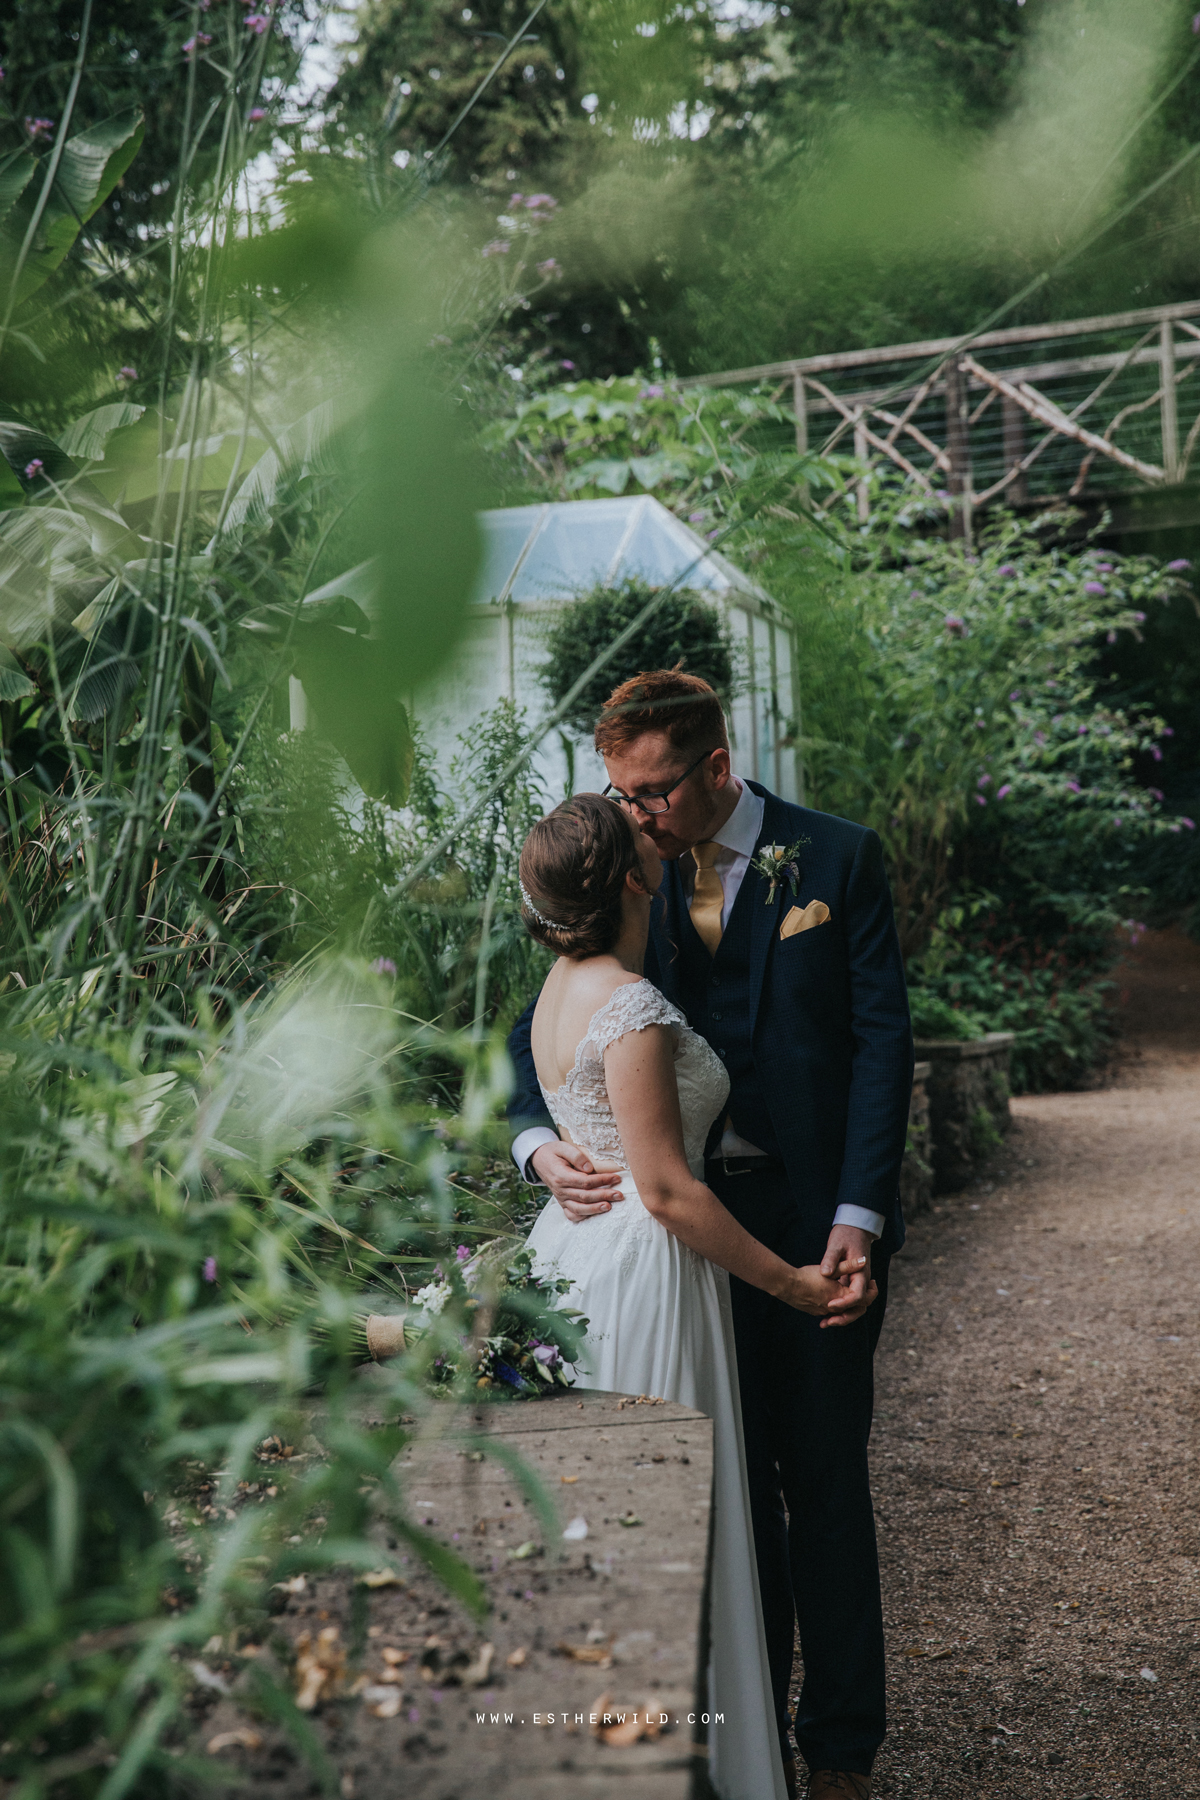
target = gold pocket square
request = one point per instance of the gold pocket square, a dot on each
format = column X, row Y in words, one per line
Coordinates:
column 804, row 918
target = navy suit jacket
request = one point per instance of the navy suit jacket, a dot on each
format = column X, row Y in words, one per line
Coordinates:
column 832, row 1035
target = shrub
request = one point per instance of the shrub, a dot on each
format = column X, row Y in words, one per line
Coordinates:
column 683, row 629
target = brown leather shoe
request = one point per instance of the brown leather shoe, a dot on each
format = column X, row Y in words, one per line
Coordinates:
column 837, row 1784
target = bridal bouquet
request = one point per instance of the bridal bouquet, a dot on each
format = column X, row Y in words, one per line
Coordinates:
column 522, row 1338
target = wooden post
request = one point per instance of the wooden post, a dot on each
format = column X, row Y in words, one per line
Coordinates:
column 958, row 449
column 1170, row 409
column 1014, row 449
column 800, row 408
column 862, row 453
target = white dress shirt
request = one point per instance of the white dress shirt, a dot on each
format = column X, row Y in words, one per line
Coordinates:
column 737, row 838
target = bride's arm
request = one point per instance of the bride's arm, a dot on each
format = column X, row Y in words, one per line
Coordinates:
column 639, row 1072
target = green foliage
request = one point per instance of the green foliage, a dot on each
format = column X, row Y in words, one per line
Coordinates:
column 952, row 701
column 682, row 630
column 185, row 1253
column 986, row 971
column 40, row 219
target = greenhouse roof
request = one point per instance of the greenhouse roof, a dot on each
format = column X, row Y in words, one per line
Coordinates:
column 559, row 550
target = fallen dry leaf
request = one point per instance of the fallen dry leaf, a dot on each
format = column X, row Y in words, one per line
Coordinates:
column 628, row 1724
column 383, row 1702
column 479, row 1668
column 568, row 1480
column 297, row 1585
column 587, row 1653
column 382, row 1578
column 395, row 1657
column 320, row 1667
column 516, row 1659
column 243, row 1738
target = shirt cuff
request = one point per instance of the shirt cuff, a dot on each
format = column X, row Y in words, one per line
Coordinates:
column 526, row 1142
column 860, row 1217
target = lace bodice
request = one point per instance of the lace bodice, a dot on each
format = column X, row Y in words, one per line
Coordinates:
column 580, row 1106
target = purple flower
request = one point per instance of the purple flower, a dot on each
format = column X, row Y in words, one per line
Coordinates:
column 954, row 625
column 1181, row 562
column 980, row 800
column 1112, row 637
column 1081, row 731
column 1016, row 694
column 1155, row 793
column 548, row 269
column 1196, row 23
column 1156, row 753
column 1168, row 731
column 1188, row 824
column 695, row 518
column 198, row 42
column 541, row 203
column 383, row 965
column 517, row 200
column 414, row 1715
column 1136, row 929
column 1006, row 569
column 257, row 23
column 462, row 1254
column 497, row 247
column 653, row 392
column 984, row 781
column 710, row 535
column 548, row 1355
column 128, row 373
column 34, row 469
column 210, row 1268
column 1117, row 819
column 1002, row 793
column 39, row 128
column 1140, row 617
column 1104, row 568
column 1094, row 587
column 1039, row 737
column 1073, row 787
column 256, row 113
column 566, row 363
column 943, row 493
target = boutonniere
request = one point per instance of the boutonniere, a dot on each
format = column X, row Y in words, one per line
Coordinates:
column 778, row 863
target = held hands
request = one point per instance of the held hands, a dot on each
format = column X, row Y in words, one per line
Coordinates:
column 839, row 1289
column 578, row 1186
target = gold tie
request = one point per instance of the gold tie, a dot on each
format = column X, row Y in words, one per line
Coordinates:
column 708, row 898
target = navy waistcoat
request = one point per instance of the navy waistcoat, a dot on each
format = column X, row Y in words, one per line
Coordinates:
column 715, row 994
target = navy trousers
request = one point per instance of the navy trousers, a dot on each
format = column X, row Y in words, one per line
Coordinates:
column 807, row 1398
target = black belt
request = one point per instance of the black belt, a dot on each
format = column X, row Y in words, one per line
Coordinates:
column 747, row 1165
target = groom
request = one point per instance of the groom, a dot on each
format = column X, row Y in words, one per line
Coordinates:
column 799, row 988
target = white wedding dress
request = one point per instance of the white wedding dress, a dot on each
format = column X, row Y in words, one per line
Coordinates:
column 661, row 1324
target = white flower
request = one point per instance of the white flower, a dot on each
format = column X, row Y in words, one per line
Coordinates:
column 777, row 852
column 432, row 1299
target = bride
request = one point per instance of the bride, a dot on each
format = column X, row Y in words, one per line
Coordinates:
column 626, row 1078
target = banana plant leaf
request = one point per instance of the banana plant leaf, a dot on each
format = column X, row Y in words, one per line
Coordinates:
column 89, row 168
column 85, row 438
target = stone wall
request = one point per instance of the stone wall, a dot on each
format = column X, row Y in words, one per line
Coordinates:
column 916, row 1171
column 968, row 1087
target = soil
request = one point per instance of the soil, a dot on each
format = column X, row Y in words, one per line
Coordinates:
column 1035, row 1444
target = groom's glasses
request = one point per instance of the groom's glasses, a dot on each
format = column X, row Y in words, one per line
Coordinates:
column 653, row 803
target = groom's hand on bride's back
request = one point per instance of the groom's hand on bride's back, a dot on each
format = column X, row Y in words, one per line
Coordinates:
column 580, row 1189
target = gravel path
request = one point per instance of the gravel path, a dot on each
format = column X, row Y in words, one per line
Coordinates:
column 1035, row 1442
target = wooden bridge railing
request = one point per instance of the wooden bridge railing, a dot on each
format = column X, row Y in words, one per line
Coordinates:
column 1035, row 413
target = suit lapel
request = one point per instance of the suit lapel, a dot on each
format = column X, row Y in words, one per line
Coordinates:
column 764, row 919
column 665, row 934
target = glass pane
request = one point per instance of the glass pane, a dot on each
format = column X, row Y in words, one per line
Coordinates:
column 504, row 535
column 574, row 549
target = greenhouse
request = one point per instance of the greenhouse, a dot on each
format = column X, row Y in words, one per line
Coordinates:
column 538, row 559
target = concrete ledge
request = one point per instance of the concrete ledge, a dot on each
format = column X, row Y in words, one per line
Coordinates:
column 964, row 1049
column 632, row 1596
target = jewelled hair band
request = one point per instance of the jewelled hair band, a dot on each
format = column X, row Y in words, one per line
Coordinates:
column 531, row 909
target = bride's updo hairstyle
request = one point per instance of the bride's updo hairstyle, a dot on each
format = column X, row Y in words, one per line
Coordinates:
column 573, row 868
